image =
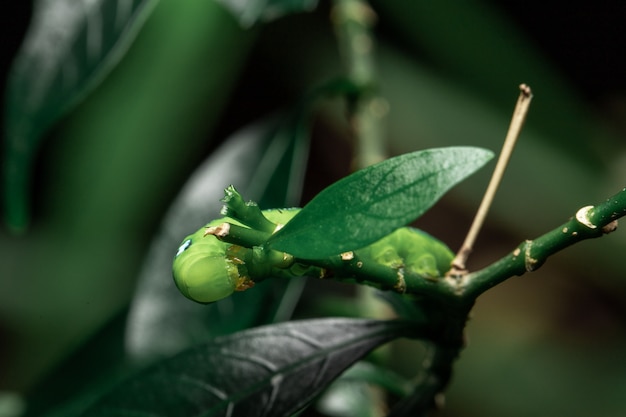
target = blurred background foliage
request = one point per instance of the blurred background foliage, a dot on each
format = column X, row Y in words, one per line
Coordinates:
column 195, row 81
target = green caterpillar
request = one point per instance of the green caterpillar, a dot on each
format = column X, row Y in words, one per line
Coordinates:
column 206, row 269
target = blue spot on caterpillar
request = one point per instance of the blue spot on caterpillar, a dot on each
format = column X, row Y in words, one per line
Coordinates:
column 206, row 269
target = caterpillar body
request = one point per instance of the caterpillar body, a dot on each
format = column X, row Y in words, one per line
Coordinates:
column 206, row 269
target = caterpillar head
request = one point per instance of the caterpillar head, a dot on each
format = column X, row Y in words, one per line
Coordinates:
column 202, row 272
column 206, row 269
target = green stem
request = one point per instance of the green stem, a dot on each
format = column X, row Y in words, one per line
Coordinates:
column 353, row 20
column 351, row 267
column 238, row 235
column 247, row 213
column 589, row 222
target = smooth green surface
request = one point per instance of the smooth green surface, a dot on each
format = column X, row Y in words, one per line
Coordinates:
column 372, row 202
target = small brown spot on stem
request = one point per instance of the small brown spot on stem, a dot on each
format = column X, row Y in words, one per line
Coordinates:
column 347, row 256
column 400, row 285
column 611, row 227
column 218, row 231
column 244, row 283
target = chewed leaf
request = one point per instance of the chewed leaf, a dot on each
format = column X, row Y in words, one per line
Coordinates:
column 268, row 371
column 371, row 203
column 69, row 47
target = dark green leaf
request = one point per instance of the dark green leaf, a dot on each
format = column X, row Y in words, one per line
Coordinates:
column 249, row 12
column 69, row 47
column 373, row 202
column 268, row 371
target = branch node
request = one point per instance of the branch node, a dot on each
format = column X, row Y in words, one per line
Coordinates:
column 582, row 216
column 530, row 263
column 400, row 285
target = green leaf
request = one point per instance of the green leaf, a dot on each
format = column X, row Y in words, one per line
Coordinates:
column 268, row 371
column 70, row 46
column 249, row 12
column 371, row 203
